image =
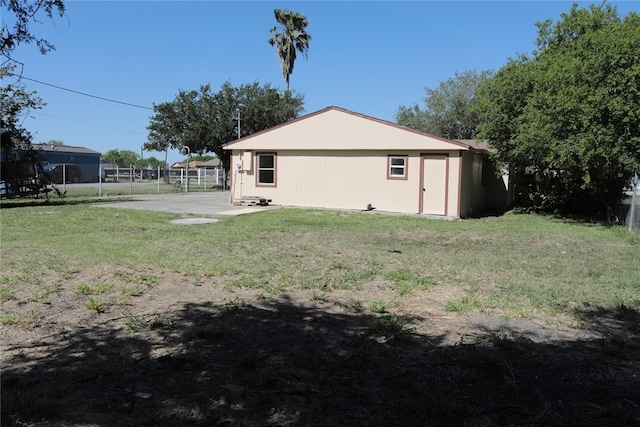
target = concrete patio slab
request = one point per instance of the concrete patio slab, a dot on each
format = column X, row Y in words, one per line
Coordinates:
column 214, row 204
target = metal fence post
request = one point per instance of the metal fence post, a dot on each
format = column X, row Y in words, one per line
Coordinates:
column 635, row 181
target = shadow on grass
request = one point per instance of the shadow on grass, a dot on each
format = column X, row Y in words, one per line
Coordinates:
column 22, row 203
column 620, row 320
column 489, row 213
column 282, row 364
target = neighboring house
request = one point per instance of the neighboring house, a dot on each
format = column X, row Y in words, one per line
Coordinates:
column 209, row 164
column 83, row 160
column 335, row 158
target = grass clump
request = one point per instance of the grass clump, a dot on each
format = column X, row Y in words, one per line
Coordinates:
column 464, row 305
column 234, row 305
column 320, row 296
column 354, row 307
column 84, row 289
column 148, row 280
column 160, row 321
column 400, row 275
column 137, row 284
column 7, row 294
column 391, row 328
column 25, row 320
column 95, row 304
column 467, row 304
column 134, row 291
column 43, row 292
column 379, row 306
column 508, row 340
column 406, row 281
column 134, row 323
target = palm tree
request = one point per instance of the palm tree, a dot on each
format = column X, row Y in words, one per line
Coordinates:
column 290, row 36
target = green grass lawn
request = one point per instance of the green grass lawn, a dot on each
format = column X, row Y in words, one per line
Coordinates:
column 513, row 265
column 314, row 317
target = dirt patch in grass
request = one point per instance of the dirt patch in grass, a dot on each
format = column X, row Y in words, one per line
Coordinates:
column 166, row 349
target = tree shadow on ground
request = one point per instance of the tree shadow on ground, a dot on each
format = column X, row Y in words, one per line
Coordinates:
column 489, row 213
column 278, row 363
column 23, row 203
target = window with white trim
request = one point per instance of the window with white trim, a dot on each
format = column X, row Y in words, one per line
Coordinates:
column 397, row 167
column 266, row 169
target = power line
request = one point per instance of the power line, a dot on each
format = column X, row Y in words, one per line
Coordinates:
column 82, row 93
column 40, row 113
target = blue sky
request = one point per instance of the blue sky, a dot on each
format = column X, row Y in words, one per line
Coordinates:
column 367, row 56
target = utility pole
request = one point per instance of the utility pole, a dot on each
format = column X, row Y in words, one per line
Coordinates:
column 186, row 184
column 238, row 115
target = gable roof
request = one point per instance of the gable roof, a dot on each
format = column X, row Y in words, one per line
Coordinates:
column 335, row 128
column 479, row 145
column 63, row 149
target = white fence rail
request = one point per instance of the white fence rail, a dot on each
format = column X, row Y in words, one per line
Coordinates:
column 202, row 176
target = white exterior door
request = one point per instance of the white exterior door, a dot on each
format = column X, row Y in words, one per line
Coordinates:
column 434, row 184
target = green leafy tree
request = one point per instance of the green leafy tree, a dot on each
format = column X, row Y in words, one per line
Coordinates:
column 185, row 121
column 19, row 161
column 22, row 14
column 415, row 118
column 111, row 156
column 448, row 109
column 567, row 118
column 153, row 163
column 288, row 37
column 205, row 121
column 200, row 158
column 164, row 130
column 15, row 104
column 128, row 157
column 55, row 143
column 148, row 163
column 122, row 158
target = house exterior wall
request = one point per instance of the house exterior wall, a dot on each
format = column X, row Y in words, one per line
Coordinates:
column 345, row 180
column 473, row 190
column 333, row 179
column 454, row 184
column 336, row 130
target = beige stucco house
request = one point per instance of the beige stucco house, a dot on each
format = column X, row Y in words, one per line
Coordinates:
column 335, row 158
